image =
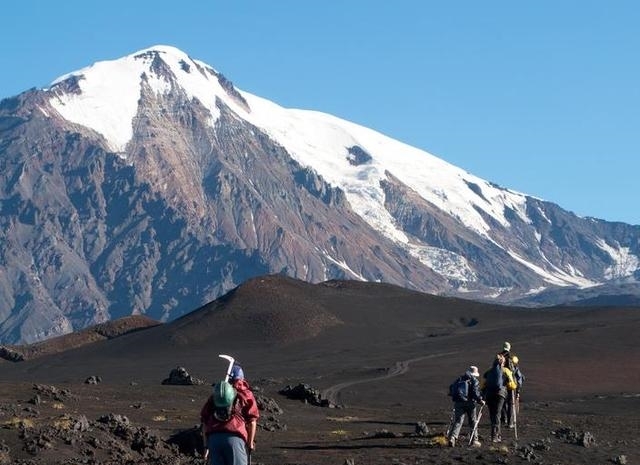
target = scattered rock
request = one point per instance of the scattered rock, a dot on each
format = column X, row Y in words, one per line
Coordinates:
column 37, row 442
column 144, row 439
column 307, row 394
column 271, row 423
column 53, row 392
column 620, row 460
column 180, row 377
column 93, row 380
column 385, row 433
column 268, row 404
column 270, row 411
column 10, row 354
column 30, row 412
column 5, row 457
column 422, row 429
column 527, row 453
column 119, row 425
column 188, row 442
column 542, row 444
column 587, row 440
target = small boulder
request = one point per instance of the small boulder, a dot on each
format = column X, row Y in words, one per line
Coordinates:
column 180, row 377
column 422, row 429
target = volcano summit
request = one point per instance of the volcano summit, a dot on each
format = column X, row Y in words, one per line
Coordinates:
column 151, row 185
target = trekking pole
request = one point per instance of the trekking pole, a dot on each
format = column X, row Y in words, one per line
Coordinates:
column 475, row 426
column 515, row 415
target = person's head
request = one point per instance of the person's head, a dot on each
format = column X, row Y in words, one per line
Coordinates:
column 236, row 373
column 515, row 360
column 499, row 360
column 472, row 371
column 506, row 347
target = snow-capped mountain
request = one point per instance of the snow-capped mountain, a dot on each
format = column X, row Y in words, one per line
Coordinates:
column 151, row 184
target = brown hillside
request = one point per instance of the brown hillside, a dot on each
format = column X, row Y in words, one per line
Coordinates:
column 99, row 332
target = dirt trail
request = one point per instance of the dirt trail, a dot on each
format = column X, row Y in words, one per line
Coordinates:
column 399, row 368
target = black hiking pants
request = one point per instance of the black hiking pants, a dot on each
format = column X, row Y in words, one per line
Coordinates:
column 506, row 417
column 495, row 402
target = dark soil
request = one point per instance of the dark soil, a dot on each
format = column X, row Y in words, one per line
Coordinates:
column 385, row 356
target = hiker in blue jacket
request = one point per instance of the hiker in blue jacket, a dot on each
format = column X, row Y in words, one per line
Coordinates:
column 494, row 389
column 465, row 393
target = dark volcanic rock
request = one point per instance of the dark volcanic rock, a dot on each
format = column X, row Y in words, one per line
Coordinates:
column 10, row 354
column 189, row 441
column 305, row 393
column 52, row 392
column 584, row 439
column 180, row 377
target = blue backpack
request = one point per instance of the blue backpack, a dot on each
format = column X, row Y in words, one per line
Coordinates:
column 459, row 390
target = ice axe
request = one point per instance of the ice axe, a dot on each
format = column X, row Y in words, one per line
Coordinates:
column 231, row 362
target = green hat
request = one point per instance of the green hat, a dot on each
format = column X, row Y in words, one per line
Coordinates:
column 223, row 394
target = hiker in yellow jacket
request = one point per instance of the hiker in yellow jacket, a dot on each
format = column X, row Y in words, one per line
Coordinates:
column 496, row 383
column 507, row 415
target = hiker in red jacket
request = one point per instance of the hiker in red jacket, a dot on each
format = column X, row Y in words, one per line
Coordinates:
column 229, row 421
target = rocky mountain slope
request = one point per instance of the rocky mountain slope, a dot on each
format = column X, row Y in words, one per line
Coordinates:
column 152, row 185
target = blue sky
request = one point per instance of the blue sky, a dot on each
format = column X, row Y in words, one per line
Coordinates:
column 541, row 97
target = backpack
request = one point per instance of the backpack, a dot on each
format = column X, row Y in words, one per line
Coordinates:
column 493, row 379
column 459, row 390
column 224, row 401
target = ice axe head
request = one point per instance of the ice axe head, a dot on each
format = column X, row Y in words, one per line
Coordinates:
column 231, row 362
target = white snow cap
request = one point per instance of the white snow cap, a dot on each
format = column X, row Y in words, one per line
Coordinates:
column 110, row 90
column 354, row 158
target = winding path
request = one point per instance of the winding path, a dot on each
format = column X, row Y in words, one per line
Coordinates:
column 399, row 368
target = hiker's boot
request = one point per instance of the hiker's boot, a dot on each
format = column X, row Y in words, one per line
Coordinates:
column 495, row 434
column 452, row 442
column 476, row 443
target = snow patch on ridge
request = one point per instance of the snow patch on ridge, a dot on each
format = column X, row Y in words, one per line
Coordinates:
column 625, row 263
column 342, row 264
column 554, row 276
column 447, row 263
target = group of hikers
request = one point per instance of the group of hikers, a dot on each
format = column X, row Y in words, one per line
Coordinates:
column 230, row 415
column 499, row 388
